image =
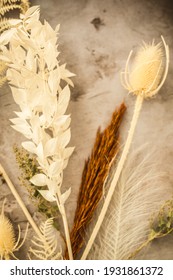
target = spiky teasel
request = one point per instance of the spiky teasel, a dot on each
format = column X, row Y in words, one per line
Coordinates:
column 147, row 75
column 8, row 243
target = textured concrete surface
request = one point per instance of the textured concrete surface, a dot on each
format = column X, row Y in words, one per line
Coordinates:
column 95, row 39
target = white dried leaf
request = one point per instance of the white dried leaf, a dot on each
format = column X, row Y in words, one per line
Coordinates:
column 39, row 180
column 63, row 100
column 47, row 195
column 51, row 147
column 64, row 138
column 40, row 152
column 29, row 146
column 65, row 196
column 68, row 152
column 55, row 168
column 24, row 129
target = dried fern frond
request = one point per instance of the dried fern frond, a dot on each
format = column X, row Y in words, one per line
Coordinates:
column 138, row 194
column 95, row 172
column 46, row 248
column 151, row 79
column 5, row 23
column 7, row 8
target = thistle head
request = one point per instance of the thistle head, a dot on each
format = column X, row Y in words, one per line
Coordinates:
column 7, row 236
column 148, row 71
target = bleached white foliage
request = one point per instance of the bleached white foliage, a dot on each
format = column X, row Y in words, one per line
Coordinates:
column 40, row 86
column 35, row 79
column 46, row 248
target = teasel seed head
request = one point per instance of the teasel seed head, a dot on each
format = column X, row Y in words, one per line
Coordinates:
column 8, row 243
column 148, row 71
column 7, row 236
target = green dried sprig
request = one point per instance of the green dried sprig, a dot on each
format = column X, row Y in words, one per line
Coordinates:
column 28, row 166
column 161, row 225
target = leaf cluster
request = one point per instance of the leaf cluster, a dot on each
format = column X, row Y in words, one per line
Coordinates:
column 7, row 6
column 162, row 224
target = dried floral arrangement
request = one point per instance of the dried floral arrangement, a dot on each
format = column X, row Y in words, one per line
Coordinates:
column 111, row 179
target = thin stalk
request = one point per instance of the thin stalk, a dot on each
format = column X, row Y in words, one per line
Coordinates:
column 67, row 234
column 136, row 113
column 65, row 224
column 133, row 255
column 20, row 202
column 149, row 240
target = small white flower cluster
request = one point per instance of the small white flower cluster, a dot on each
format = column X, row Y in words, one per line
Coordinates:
column 30, row 50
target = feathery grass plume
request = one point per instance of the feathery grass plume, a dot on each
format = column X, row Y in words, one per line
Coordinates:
column 161, row 225
column 37, row 83
column 7, row 6
column 8, row 243
column 139, row 193
column 46, row 248
column 94, row 175
column 145, row 78
column 29, row 167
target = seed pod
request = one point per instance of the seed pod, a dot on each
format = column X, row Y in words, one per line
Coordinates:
column 7, row 236
column 148, row 71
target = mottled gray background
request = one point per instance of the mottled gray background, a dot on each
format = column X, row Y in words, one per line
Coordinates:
column 95, row 39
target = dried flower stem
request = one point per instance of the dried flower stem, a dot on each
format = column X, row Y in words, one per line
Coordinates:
column 147, row 83
column 138, row 106
column 94, row 175
column 20, row 202
column 161, row 226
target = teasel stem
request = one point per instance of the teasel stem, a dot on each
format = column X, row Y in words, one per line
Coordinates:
column 149, row 65
column 20, row 201
column 121, row 162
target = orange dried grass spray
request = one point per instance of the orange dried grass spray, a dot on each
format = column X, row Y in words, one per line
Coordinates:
column 95, row 172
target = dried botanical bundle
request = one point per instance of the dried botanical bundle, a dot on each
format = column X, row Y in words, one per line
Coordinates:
column 8, row 243
column 6, row 23
column 139, row 193
column 35, row 78
column 152, row 74
column 94, row 175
